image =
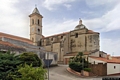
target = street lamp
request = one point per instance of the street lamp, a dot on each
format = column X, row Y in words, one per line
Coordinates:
column 48, row 63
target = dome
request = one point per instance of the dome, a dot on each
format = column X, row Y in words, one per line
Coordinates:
column 80, row 25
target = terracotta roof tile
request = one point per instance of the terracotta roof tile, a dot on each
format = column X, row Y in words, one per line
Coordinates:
column 16, row 38
column 57, row 34
column 86, row 52
column 74, row 54
column 9, row 44
column 71, row 54
column 112, row 60
column 92, row 32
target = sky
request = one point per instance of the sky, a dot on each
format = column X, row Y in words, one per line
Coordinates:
column 60, row 16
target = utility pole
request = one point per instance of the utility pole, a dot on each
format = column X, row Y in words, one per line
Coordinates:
column 48, row 63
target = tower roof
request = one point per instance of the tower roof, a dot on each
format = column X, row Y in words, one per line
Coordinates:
column 36, row 11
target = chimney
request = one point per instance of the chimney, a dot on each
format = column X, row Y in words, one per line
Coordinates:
column 109, row 57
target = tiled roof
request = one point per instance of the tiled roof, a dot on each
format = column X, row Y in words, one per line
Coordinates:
column 118, row 57
column 16, row 38
column 36, row 11
column 71, row 54
column 57, row 34
column 74, row 54
column 86, row 52
column 92, row 32
column 9, row 45
column 112, row 60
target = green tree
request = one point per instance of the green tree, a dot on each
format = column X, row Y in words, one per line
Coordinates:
column 78, row 62
column 8, row 64
column 30, row 58
column 30, row 73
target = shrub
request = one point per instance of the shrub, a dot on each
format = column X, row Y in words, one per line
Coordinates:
column 78, row 62
column 8, row 64
column 30, row 73
column 76, row 66
column 31, row 58
column 87, row 69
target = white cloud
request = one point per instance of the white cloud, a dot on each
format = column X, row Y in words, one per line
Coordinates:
column 108, row 22
column 94, row 3
column 68, row 6
column 56, row 28
column 52, row 4
column 12, row 20
column 110, row 46
column 105, row 23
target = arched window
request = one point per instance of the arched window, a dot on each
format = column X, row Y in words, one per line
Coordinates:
column 76, row 35
column 38, row 22
column 40, row 42
column 38, row 30
column 32, row 21
column 61, row 37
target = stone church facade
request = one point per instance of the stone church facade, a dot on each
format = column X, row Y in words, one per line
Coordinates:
column 81, row 39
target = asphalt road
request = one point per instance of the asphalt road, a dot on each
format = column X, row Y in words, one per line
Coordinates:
column 60, row 73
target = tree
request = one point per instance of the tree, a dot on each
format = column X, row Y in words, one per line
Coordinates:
column 8, row 64
column 30, row 58
column 78, row 62
column 30, row 73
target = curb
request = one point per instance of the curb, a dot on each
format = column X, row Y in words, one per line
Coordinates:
column 79, row 74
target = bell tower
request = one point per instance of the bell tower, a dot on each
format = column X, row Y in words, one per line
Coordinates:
column 35, row 26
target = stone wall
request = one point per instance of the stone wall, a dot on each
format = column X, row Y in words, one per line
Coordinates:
column 99, row 69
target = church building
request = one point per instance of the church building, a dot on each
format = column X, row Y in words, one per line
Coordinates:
column 81, row 39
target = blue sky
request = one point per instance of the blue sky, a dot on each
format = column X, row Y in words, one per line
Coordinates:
column 63, row 15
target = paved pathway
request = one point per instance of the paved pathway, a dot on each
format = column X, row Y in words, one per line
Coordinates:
column 60, row 73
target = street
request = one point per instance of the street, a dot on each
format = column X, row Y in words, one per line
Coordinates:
column 60, row 73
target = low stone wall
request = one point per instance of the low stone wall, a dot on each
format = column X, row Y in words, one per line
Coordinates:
column 85, row 73
column 73, row 72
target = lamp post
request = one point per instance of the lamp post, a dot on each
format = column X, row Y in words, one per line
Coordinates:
column 48, row 63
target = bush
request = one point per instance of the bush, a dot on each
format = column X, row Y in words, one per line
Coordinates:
column 78, row 62
column 87, row 69
column 76, row 66
column 30, row 73
column 31, row 58
column 8, row 64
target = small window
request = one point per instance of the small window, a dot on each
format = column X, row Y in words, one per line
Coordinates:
column 114, row 67
column 100, row 55
column 76, row 35
column 38, row 21
column 61, row 37
column 38, row 30
column 51, row 39
column 40, row 43
column 32, row 21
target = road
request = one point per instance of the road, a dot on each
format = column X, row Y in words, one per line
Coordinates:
column 60, row 73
